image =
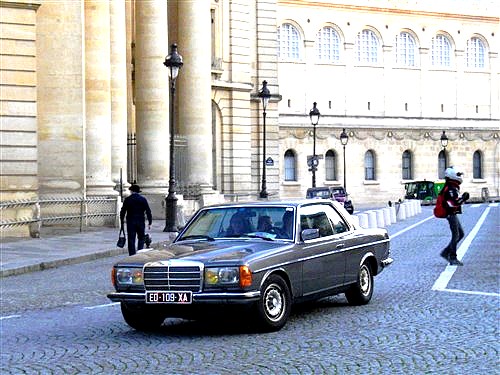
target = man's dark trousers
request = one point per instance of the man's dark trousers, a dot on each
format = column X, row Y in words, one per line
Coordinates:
column 135, row 228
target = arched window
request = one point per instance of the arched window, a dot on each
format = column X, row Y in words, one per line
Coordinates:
column 369, row 165
column 406, row 50
column 290, row 166
column 328, row 45
column 367, row 47
column 475, row 53
column 288, row 42
column 407, row 172
column 442, row 163
column 477, row 165
column 441, row 51
column 330, row 165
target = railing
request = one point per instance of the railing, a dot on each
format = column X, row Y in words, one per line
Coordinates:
column 180, row 144
column 90, row 211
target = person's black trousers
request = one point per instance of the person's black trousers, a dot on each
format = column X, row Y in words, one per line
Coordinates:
column 457, row 233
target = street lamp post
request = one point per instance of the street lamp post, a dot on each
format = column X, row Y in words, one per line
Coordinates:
column 344, row 138
column 173, row 62
column 444, row 143
column 314, row 116
column 264, row 94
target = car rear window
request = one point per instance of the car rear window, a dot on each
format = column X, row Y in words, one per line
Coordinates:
column 318, row 194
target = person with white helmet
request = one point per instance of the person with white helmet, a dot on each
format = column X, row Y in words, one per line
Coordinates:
column 453, row 206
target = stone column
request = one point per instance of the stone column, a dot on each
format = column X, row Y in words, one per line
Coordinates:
column 194, row 90
column 151, row 96
column 60, row 99
column 118, row 91
column 98, row 98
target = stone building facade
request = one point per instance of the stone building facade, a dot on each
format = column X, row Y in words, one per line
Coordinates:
column 395, row 75
column 77, row 76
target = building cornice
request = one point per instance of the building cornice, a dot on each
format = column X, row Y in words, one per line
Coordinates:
column 396, row 134
column 398, row 11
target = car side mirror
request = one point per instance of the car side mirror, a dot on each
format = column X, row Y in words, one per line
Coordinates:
column 309, row 234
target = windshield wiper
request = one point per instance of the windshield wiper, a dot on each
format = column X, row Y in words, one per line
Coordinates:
column 197, row 237
column 263, row 237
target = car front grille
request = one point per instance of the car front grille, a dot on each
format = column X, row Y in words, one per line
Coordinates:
column 173, row 275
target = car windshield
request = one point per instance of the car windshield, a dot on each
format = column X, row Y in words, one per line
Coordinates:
column 242, row 221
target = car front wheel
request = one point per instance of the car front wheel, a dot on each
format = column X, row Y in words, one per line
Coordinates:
column 361, row 292
column 274, row 306
column 141, row 317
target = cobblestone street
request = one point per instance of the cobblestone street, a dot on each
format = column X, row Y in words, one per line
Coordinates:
column 50, row 325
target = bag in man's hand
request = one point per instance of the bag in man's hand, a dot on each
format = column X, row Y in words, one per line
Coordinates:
column 147, row 240
column 121, row 238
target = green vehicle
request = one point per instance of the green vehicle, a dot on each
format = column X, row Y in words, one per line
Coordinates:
column 426, row 191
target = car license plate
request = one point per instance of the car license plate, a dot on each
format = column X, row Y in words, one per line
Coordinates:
column 169, row 297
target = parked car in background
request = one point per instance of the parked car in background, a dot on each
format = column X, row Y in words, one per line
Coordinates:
column 259, row 258
column 336, row 193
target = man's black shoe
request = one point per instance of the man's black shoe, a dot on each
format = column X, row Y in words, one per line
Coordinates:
column 455, row 262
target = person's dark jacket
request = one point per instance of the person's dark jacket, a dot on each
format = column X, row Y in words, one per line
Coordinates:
column 452, row 200
column 137, row 208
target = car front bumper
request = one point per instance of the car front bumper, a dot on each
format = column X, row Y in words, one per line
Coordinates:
column 386, row 262
column 208, row 298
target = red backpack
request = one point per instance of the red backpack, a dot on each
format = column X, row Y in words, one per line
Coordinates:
column 439, row 209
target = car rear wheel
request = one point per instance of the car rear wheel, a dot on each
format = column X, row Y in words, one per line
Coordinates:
column 274, row 306
column 142, row 317
column 361, row 292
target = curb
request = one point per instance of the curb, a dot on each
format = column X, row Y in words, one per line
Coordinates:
column 60, row 262
column 98, row 254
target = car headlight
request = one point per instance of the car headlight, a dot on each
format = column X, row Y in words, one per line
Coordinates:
column 129, row 276
column 228, row 276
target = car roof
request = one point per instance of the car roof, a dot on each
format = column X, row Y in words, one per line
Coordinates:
column 271, row 203
column 318, row 188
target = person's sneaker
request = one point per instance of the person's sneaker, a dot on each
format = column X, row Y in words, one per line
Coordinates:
column 445, row 255
column 455, row 262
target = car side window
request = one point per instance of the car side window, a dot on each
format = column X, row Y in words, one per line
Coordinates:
column 320, row 221
column 338, row 224
column 313, row 217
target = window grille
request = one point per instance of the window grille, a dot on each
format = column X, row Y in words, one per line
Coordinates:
column 330, row 165
column 475, row 53
column 477, row 165
column 328, row 45
column 405, row 50
column 369, row 165
column 290, row 166
column 367, row 47
column 441, row 51
column 442, row 162
column 406, row 166
column 288, row 42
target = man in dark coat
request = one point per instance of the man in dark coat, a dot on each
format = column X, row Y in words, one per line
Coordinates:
column 137, row 209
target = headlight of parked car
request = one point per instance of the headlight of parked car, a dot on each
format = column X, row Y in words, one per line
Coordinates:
column 128, row 276
column 228, row 276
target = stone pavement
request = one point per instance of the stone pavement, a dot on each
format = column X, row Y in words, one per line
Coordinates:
column 66, row 245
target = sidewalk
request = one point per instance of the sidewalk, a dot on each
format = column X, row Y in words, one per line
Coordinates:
column 61, row 246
